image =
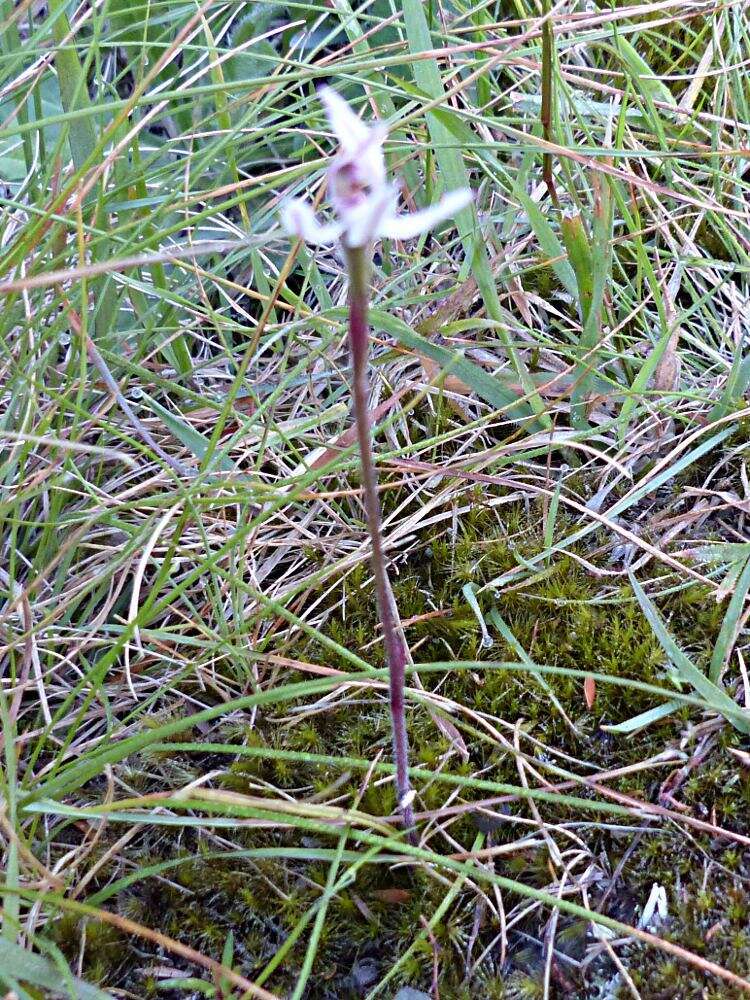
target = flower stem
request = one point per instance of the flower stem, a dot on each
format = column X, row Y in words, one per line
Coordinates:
column 396, row 651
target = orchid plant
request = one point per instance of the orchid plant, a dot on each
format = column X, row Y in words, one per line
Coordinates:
column 366, row 209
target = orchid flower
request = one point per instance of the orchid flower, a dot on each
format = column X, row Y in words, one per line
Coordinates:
column 365, row 203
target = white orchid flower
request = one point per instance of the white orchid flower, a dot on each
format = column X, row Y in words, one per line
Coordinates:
column 365, row 203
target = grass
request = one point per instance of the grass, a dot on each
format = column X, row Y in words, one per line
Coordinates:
column 196, row 794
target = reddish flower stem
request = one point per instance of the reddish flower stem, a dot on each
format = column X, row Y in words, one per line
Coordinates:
column 396, row 652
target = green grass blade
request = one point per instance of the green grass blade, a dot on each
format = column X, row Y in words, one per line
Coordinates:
column 450, row 160
column 728, row 633
column 715, row 697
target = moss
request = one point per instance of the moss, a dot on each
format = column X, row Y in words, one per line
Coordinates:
column 104, row 948
column 714, row 922
column 562, row 616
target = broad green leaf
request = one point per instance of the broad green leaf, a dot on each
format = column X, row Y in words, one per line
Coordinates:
column 647, row 80
column 256, row 22
column 36, row 970
column 715, row 698
column 490, row 389
column 644, row 719
column 12, row 163
column 252, row 63
column 548, row 241
column 728, row 634
column 193, row 440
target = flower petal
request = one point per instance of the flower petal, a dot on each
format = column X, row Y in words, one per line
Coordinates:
column 350, row 131
column 369, row 156
column 403, row 227
column 298, row 219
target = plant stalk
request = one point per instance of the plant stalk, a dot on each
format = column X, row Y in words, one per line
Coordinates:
column 396, row 652
column 548, row 43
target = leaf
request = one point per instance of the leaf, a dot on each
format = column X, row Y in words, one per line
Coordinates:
column 449, row 156
column 453, row 169
column 227, row 960
column 551, row 518
column 484, row 385
column 579, row 254
column 648, row 81
column 714, row 696
column 729, row 554
column 251, row 64
column 548, row 241
column 589, row 692
column 74, row 92
column 599, row 251
column 12, row 162
column 736, row 386
column 468, row 592
column 449, row 731
column 256, row 23
column 584, row 107
column 728, row 633
column 193, row 440
column 36, row 970
column 83, row 139
column 645, row 718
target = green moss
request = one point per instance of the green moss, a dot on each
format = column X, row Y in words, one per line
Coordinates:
column 563, row 616
column 714, row 922
column 105, row 948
